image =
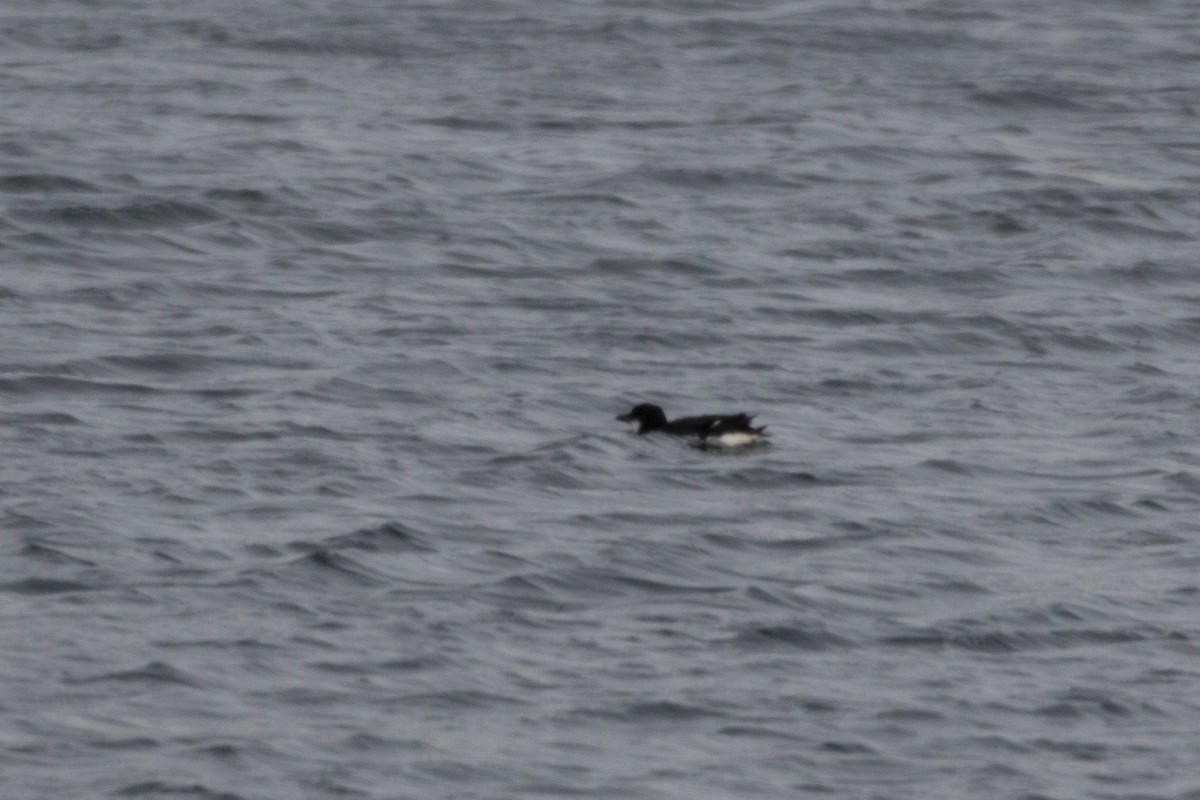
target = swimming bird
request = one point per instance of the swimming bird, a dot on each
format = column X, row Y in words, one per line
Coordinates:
column 730, row 430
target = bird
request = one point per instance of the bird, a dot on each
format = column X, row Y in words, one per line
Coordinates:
column 729, row 430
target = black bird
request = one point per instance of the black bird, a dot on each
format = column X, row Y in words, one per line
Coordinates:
column 725, row 429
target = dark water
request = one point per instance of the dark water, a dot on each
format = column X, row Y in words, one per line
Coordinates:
column 316, row 317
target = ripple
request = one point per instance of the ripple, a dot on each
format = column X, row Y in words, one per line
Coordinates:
column 148, row 214
column 650, row 712
column 791, row 636
column 1030, row 99
column 391, row 537
column 43, row 183
column 58, row 386
column 154, row 672
column 43, row 586
column 157, row 789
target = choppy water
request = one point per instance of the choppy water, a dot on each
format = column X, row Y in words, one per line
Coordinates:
column 315, row 318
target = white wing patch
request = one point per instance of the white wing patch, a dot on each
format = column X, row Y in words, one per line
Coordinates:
column 737, row 439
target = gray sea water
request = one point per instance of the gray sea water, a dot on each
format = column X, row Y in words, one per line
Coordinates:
column 315, row 316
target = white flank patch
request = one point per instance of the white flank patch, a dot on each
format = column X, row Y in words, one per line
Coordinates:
column 738, row 439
